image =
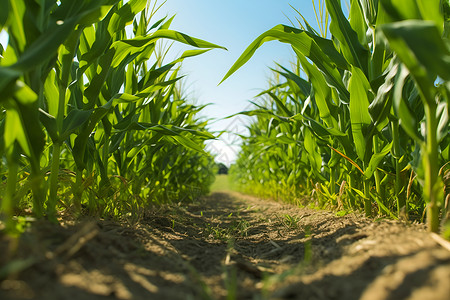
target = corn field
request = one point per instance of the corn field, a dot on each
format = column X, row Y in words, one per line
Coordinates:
column 108, row 189
column 360, row 120
column 94, row 120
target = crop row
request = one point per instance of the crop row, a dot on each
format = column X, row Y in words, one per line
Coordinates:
column 93, row 118
column 361, row 120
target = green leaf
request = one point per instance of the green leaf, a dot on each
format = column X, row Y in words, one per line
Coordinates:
column 16, row 16
column 323, row 131
column 23, row 124
column 321, row 51
column 14, row 132
column 380, row 108
column 280, row 105
column 311, row 148
column 375, row 160
column 49, row 123
column 45, row 46
column 443, row 121
column 125, row 15
column 263, row 113
column 138, row 44
column 360, row 193
column 81, row 140
column 8, row 77
column 302, row 84
column 358, row 21
column 192, row 53
column 359, row 110
column 97, row 82
column 186, row 142
column 152, row 75
column 431, row 11
column 322, row 92
column 399, row 10
column 51, row 93
column 281, row 137
column 74, row 120
column 407, row 118
column 369, row 9
column 96, row 14
column 412, row 41
column 4, row 12
column 353, row 51
column 381, row 55
column 133, row 124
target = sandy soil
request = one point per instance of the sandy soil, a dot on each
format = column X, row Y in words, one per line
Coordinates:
column 227, row 246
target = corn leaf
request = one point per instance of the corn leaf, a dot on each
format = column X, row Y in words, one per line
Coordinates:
column 399, row 10
column 321, row 51
column 303, row 85
column 412, row 41
column 359, row 110
column 353, row 51
column 186, row 142
column 375, row 160
column 49, row 123
column 17, row 31
column 311, row 148
column 51, row 93
column 430, row 10
column 280, row 105
column 93, row 90
column 4, row 12
column 24, row 116
column 74, row 120
column 358, row 19
column 380, row 108
column 81, row 140
column 369, row 12
column 125, row 15
column 322, row 92
column 139, row 44
column 404, row 112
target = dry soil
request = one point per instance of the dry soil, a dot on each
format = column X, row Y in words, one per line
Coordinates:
column 226, row 246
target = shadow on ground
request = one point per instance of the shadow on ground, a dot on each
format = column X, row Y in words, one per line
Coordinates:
column 226, row 245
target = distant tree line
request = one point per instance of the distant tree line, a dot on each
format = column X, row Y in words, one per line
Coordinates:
column 222, row 168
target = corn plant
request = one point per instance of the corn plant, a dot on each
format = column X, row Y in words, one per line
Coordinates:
column 414, row 30
column 362, row 94
column 87, row 95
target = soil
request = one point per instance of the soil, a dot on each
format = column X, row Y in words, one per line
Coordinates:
column 226, row 246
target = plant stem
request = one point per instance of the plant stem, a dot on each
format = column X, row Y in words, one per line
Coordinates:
column 401, row 200
column 52, row 200
column 78, row 191
column 351, row 183
column 380, row 191
column 332, row 187
column 56, row 153
column 8, row 200
column 37, row 180
column 432, row 189
column 367, row 202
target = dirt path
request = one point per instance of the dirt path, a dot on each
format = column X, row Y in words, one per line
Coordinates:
column 229, row 246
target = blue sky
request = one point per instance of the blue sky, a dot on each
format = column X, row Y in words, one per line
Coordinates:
column 233, row 24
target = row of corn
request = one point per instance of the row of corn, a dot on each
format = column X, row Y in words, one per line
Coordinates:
column 361, row 118
column 93, row 118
